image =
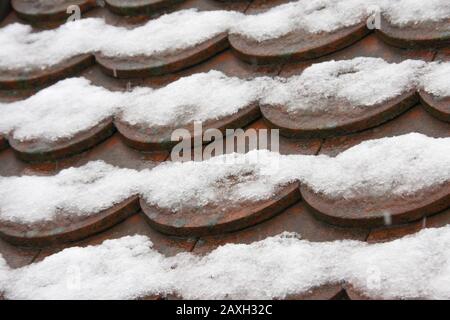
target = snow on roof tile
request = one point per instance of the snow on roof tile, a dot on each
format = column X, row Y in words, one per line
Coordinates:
column 326, row 181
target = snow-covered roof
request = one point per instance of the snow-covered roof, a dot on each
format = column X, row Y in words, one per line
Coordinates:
column 353, row 201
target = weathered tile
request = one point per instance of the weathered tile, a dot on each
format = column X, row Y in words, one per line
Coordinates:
column 421, row 34
column 371, row 211
column 218, row 218
column 297, row 219
column 414, row 120
column 390, row 233
column 16, row 256
column 134, row 225
column 370, row 46
column 34, row 11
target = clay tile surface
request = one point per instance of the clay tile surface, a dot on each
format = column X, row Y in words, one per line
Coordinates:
column 141, row 147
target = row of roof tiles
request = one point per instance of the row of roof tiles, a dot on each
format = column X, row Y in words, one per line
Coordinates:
column 277, row 50
column 299, row 217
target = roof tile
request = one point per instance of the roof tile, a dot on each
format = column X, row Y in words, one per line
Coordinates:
column 201, row 230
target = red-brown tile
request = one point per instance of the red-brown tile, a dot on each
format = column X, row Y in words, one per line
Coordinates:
column 161, row 64
column 437, row 107
column 113, row 151
column 395, row 232
column 11, row 165
column 388, row 234
column 443, row 54
column 422, row 34
column 15, row 256
column 151, row 137
column 37, row 77
column 135, row 225
column 41, row 150
column 375, row 212
column 258, row 6
column 295, row 219
column 218, row 218
column 298, row 45
column 414, row 120
column 256, row 136
column 289, row 145
column 34, row 11
column 70, row 228
column 326, row 124
column 370, row 46
column 437, row 220
column 225, row 61
column 147, row 7
column 8, row 96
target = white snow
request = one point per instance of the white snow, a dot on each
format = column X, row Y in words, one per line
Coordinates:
column 411, row 12
column 361, row 81
column 397, row 166
column 413, row 267
column 313, row 16
column 76, row 191
column 170, row 32
column 60, row 111
column 223, row 179
column 200, row 97
column 436, row 79
column 24, row 49
column 416, row 266
column 75, row 105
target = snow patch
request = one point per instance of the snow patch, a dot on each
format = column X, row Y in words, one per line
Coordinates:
column 200, row 97
column 313, row 16
column 24, row 49
column 75, row 105
column 76, row 191
column 60, row 111
column 361, row 81
column 397, row 166
column 415, row 266
column 223, row 179
column 411, row 12
column 436, row 79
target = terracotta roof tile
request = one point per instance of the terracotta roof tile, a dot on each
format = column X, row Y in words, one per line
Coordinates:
column 202, row 229
column 17, row 256
column 195, row 221
column 414, row 120
column 298, row 218
column 420, row 35
column 136, row 224
column 34, row 11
